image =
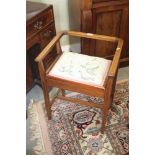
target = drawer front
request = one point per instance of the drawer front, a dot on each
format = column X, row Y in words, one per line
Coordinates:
column 39, row 23
column 47, row 34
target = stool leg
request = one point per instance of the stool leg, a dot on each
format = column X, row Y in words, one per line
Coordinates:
column 104, row 114
column 62, row 92
column 107, row 103
column 45, row 88
column 47, row 101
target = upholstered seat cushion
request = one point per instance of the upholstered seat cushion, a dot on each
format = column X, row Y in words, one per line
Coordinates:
column 81, row 68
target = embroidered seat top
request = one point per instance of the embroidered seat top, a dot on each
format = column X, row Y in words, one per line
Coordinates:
column 81, row 68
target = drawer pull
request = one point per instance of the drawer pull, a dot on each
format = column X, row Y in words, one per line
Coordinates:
column 38, row 25
column 47, row 33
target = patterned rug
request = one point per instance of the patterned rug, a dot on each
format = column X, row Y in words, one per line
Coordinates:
column 75, row 129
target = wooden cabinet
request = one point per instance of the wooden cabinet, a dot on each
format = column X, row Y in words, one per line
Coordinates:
column 108, row 17
column 40, row 29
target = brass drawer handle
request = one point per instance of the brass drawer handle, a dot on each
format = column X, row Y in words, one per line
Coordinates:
column 38, row 25
column 47, row 33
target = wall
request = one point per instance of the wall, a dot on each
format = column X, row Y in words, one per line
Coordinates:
column 67, row 16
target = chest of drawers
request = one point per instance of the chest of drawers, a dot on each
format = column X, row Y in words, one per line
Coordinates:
column 40, row 29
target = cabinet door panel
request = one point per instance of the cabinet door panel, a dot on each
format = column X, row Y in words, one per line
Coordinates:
column 110, row 21
column 107, row 23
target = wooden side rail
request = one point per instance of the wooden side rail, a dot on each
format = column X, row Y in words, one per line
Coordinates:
column 47, row 49
column 86, row 103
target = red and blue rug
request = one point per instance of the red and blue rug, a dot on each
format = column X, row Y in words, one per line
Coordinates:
column 75, row 129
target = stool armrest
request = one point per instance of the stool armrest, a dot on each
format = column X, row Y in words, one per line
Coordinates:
column 92, row 36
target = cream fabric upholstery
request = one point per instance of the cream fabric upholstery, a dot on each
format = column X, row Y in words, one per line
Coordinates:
column 81, row 68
